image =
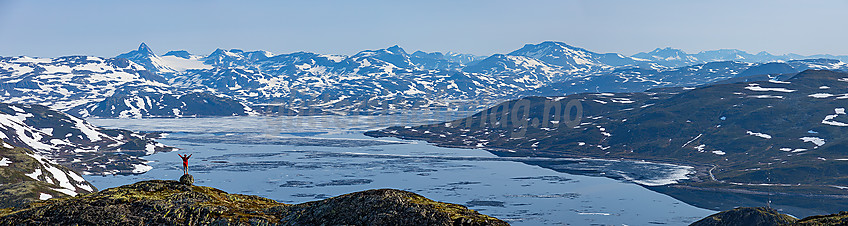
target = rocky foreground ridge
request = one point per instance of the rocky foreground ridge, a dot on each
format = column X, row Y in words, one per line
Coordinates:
column 764, row 216
column 160, row 202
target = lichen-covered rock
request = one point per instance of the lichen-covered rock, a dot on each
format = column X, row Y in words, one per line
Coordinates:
column 840, row 218
column 764, row 216
column 747, row 216
column 384, row 207
column 187, row 179
column 174, row 203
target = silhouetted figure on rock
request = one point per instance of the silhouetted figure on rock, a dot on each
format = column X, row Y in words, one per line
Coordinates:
column 186, row 178
column 185, row 162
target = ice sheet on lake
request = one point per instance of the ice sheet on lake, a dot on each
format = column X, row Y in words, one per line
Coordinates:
column 530, row 194
column 259, row 139
column 639, row 172
column 276, row 125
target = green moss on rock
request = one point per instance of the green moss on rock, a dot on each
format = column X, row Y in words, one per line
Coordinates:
column 763, row 216
column 173, row 203
column 748, row 216
column 840, row 218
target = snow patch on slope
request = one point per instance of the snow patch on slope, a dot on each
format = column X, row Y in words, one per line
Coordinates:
column 829, row 119
column 5, row 162
column 762, row 135
column 756, row 87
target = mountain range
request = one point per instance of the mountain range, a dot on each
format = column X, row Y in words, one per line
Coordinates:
column 141, row 83
column 678, row 58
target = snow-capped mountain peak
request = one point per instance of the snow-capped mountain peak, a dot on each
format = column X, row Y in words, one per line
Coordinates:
column 669, row 57
column 554, row 50
column 572, row 58
column 396, row 50
column 147, row 58
column 394, row 55
column 235, row 57
column 144, row 49
column 667, row 52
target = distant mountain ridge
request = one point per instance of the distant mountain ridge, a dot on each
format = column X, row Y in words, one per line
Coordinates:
column 634, row 79
column 391, row 78
column 678, row 58
column 78, row 85
column 141, row 83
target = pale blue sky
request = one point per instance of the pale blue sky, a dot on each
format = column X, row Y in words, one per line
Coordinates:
column 106, row 28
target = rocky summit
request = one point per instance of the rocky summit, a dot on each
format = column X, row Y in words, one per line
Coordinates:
column 764, row 216
column 747, row 216
column 159, row 202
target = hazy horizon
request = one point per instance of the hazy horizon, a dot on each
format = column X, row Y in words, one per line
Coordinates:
column 106, row 28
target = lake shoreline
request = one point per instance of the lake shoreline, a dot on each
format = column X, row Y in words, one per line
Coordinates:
column 808, row 198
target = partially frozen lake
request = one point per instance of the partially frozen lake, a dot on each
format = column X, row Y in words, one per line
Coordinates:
column 299, row 159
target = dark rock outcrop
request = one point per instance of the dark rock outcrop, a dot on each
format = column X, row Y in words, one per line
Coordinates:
column 173, row 203
column 187, row 179
column 764, row 216
column 840, row 218
column 748, row 216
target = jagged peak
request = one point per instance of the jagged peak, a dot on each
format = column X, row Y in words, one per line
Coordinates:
column 144, row 49
column 395, row 49
column 224, row 53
